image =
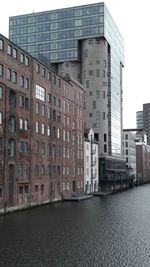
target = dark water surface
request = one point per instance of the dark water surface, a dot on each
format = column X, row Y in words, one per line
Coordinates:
column 109, row 231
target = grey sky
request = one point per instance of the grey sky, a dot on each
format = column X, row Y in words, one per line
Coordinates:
column 133, row 19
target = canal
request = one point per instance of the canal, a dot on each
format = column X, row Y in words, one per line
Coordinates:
column 99, row 232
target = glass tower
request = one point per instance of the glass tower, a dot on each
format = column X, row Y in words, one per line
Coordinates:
column 85, row 42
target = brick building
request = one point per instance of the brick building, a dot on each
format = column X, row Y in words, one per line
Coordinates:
column 142, row 162
column 41, row 130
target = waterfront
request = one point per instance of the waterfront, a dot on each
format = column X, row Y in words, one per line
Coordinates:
column 102, row 231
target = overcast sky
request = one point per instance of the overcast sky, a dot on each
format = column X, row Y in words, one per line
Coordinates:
column 133, row 19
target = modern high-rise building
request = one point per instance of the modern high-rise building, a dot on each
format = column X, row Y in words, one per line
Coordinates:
column 143, row 120
column 85, row 42
column 139, row 119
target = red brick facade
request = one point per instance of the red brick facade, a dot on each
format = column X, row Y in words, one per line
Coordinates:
column 41, row 130
column 143, row 162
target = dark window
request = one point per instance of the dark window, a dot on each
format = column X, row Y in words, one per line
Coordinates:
column 105, row 148
column 1, row 70
column 20, row 189
column 12, row 98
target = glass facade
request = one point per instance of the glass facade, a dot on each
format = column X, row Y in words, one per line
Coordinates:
column 116, row 58
column 139, row 119
column 56, row 35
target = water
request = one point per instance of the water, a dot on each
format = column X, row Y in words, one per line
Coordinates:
column 99, row 232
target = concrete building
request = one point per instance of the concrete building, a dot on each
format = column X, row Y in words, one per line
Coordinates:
column 91, row 159
column 129, row 151
column 41, row 131
column 85, row 42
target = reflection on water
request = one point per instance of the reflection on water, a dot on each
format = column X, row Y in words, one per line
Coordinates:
column 109, row 231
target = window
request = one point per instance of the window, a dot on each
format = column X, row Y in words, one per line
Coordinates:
column 42, row 187
column 21, row 124
column 9, row 50
column 49, row 75
column 11, row 124
column 21, row 101
column 37, row 68
column 20, row 189
column 1, row 117
column 11, row 147
column 14, row 77
column 43, row 72
column 94, row 104
column 37, row 107
column 97, row 115
column 49, row 150
column 49, row 98
column 14, row 54
column 37, row 148
column 97, row 93
column 97, row 73
column 104, row 115
column 36, row 188
column 43, row 110
column 12, row 98
column 54, row 79
column 1, row 70
column 21, row 146
column 49, row 113
column 105, row 137
column 58, row 133
column 78, row 22
column 43, row 128
column 26, row 103
column 103, row 74
column 43, row 149
column 48, row 130
column 26, row 147
column 26, row 83
column 21, row 81
column 26, row 190
column 9, row 74
column 1, row 92
column 40, row 93
column 37, row 127
column 26, row 125
column 1, row 44
column 87, row 83
column 26, row 61
column 105, row 148
column 22, row 58
column 90, row 41
column 42, row 170
column 90, row 72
